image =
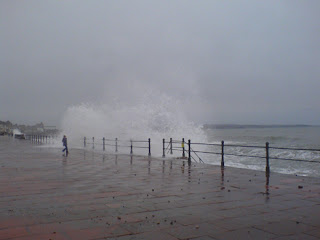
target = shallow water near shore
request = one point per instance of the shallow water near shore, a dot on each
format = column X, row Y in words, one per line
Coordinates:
column 286, row 137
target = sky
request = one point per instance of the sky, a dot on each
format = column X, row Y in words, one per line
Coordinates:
column 246, row 62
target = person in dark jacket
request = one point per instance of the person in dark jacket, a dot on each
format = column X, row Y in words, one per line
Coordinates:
column 65, row 144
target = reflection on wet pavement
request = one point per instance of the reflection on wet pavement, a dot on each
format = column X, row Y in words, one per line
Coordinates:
column 88, row 195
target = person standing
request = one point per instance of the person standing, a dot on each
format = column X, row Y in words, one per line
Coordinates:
column 65, row 144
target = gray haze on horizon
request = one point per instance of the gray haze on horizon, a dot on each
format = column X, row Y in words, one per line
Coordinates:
column 250, row 62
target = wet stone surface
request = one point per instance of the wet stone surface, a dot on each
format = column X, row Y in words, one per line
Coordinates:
column 89, row 195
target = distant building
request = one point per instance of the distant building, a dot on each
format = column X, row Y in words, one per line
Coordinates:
column 7, row 128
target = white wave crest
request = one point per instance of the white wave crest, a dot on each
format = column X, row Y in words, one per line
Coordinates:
column 154, row 116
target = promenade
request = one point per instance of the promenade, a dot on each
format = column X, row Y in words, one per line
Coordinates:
column 91, row 196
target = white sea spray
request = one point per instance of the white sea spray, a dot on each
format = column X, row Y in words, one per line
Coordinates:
column 155, row 116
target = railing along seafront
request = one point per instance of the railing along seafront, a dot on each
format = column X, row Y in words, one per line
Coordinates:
column 41, row 138
column 189, row 148
column 116, row 143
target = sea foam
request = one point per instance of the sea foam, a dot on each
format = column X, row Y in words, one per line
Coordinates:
column 154, row 116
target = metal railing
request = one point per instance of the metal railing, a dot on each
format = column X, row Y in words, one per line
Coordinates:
column 194, row 151
column 266, row 152
column 191, row 152
column 116, row 144
column 39, row 139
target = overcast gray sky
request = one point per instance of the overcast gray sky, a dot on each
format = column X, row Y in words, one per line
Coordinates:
column 229, row 61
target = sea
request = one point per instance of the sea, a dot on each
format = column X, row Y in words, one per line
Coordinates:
column 302, row 162
column 293, row 150
column 159, row 117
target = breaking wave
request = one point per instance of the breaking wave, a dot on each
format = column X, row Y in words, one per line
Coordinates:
column 154, row 117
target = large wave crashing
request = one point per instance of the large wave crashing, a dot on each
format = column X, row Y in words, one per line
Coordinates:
column 154, row 117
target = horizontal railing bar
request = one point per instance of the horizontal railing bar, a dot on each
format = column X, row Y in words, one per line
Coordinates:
column 177, row 145
column 227, row 145
column 180, row 150
column 238, row 155
column 125, row 141
column 139, row 147
column 123, row 145
column 247, row 146
column 177, row 148
column 297, row 160
column 207, row 144
column 206, row 152
column 113, row 140
column 297, row 149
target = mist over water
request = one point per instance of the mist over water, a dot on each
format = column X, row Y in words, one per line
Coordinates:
column 154, row 115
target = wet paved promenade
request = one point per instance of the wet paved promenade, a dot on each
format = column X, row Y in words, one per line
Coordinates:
column 87, row 195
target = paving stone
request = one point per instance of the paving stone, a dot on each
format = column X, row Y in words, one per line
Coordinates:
column 13, row 232
column 203, row 238
column 244, row 233
column 284, row 228
column 95, row 195
column 154, row 235
column 186, row 232
column 297, row 237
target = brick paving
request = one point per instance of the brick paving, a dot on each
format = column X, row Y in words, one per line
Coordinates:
column 90, row 195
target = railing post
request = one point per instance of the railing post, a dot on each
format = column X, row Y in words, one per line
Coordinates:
column 149, row 141
column 222, row 153
column 189, row 152
column 171, row 146
column 104, row 146
column 92, row 142
column 163, row 148
column 267, row 158
column 116, row 144
column 182, row 145
column 131, row 147
column 84, row 142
